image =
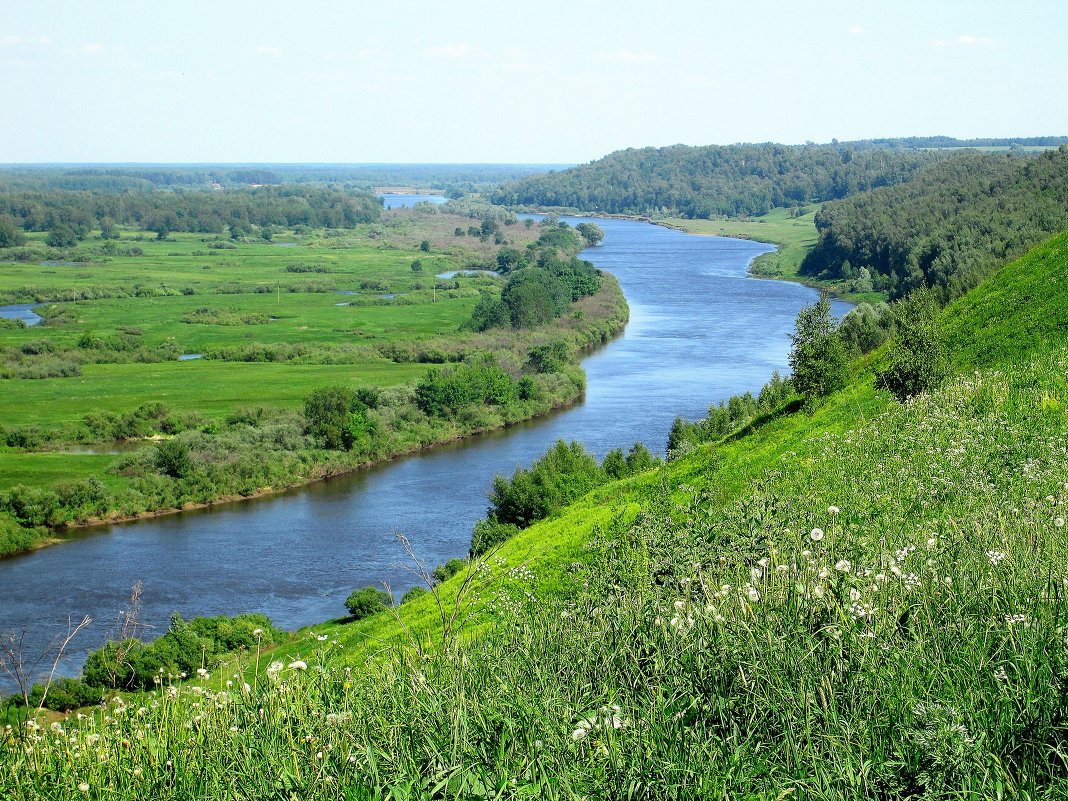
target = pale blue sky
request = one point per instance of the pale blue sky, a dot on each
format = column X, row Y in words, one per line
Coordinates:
column 546, row 81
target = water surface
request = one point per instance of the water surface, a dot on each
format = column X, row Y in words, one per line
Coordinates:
column 700, row 331
column 21, row 311
column 402, row 201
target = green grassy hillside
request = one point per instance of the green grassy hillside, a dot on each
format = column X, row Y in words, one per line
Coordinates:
column 864, row 601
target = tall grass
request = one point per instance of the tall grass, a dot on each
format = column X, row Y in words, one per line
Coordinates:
column 882, row 615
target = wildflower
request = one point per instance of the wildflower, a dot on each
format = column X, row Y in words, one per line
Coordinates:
column 753, row 594
column 1000, row 674
column 298, row 664
column 756, row 574
column 833, row 510
column 816, row 534
column 323, row 637
column 274, row 670
column 854, row 595
column 995, row 557
column 257, row 632
column 1058, row 522
column 579, row 733
column 680, row 605
column 843, row 565
column 83, row 787
column 783, row 568
column 202, row 673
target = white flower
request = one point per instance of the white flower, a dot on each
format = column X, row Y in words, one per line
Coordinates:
column 83, row 787
column 298, row 664
column 833, row 510
column 323, row 637
column 816, row 534
column 854, row 595
column 754, row 596
column 995, row 557
column 843, row 565
column 257, row 632
column 1000, row 674
column 202, row 673
column 680, row 605
column 1058, row 522
column 756, row 574
column 274, row 670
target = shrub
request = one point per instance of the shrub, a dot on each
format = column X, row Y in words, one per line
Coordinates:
column 366, row 602
column 413, row 593
column 172, row 458
column 917, row 355
column 448, row 570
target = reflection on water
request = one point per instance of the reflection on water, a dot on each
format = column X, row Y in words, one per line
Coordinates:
column 700, row 331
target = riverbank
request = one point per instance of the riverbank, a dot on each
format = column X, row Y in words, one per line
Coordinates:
column 593, row 321
column 794, row 237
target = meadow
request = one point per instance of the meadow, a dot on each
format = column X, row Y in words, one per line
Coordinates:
column 860, row 599
column 205, row 334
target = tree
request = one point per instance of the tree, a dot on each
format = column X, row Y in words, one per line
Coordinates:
column 337, row 417
column 590, row 232
column 425, row 246
column 10, row 235
column 818, row 357
column 172, row 458
column 364, row 603
column 61, row 236
column 917, row 355
column 417, row 266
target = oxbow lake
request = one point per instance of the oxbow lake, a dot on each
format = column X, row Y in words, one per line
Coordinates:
column 700, row 331
column 400, row 201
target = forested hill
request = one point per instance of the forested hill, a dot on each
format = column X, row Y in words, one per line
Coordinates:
column 949, row 228
column 716, row 180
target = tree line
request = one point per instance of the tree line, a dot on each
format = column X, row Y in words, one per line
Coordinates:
column 70, row 215
column 948, row 228
column 731, row 180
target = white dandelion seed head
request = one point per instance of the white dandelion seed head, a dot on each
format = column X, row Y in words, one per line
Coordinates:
column 816, row 534
column 833, row 510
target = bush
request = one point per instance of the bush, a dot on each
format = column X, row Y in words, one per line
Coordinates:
column 414, row 592
column 65, row 694
column 448, row 570
column 917, row 355
column 172, row 458
column 366, row 602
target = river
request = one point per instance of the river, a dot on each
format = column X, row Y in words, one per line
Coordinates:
column 700, row 331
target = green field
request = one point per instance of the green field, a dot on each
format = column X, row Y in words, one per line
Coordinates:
column 214, row 388
column 357, row 308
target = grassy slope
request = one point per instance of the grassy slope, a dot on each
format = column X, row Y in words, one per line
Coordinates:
column 1018, row 314
column 780, row 694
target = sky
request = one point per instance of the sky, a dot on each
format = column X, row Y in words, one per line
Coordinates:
column 484, row 81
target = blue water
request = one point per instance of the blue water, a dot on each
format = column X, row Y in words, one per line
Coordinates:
column 701, row 330
column 20, row 311
column 401, row 201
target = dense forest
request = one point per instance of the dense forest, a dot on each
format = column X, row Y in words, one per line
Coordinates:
column 731, row 180
column 948, row 228
column 72, row 214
